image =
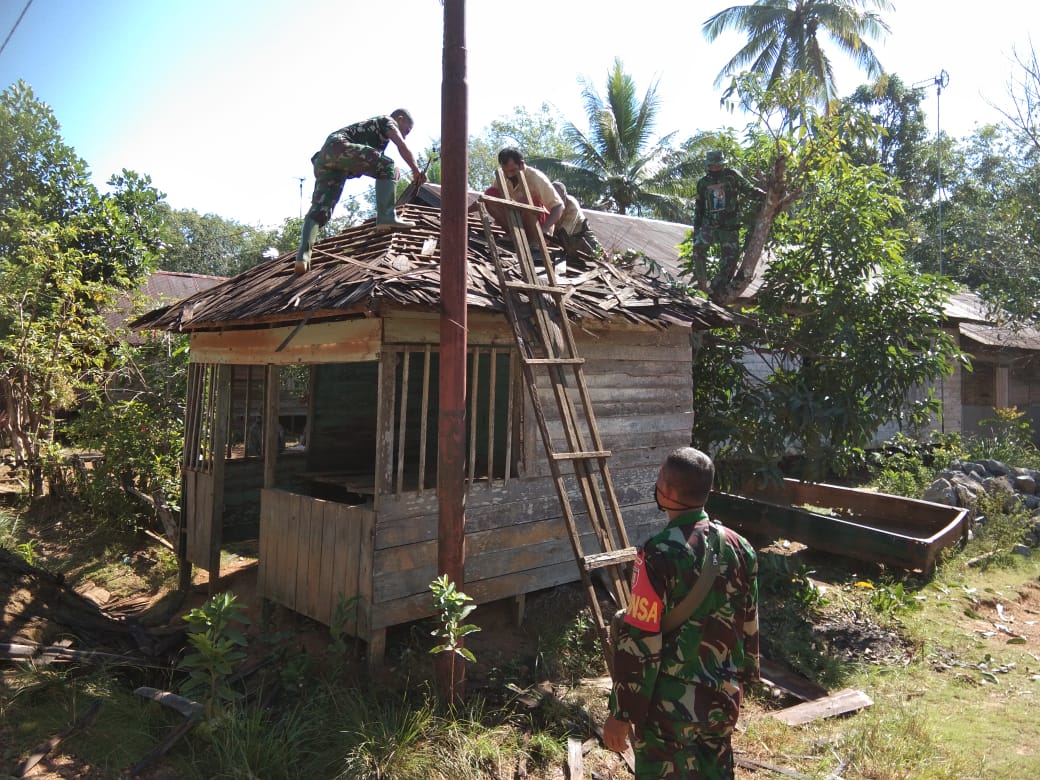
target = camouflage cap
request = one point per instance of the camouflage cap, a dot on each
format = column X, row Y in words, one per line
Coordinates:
column 715, row 157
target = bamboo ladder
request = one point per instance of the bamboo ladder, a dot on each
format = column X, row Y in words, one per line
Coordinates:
column 536, row 309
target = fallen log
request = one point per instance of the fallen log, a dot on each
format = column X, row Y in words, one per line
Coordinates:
column 44, row 655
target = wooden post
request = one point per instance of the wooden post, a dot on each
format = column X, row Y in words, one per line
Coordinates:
column 451, row 555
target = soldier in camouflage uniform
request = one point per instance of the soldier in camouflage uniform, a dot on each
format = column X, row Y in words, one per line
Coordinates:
column 717, row 216
column 679, row 694
column 352, row 151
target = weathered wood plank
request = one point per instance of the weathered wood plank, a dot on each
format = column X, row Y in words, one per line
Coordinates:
column 315, row 555
column 420, row 605
column 416, row 328
column 844, row 701
column 366, row 571
column 326, row 598
column 344, row 341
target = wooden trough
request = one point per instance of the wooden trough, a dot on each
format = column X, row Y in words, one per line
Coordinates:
column 902, row 532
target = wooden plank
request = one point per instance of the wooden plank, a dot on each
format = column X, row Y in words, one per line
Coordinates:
column 302, row 532
column 344, row 545
column 500, row 552
column 315, row 556
column 420, row 605
column 343, row 341
column 575, row 762
column 327, row 601
column 271, row 398
column 387, row 389
column 840, row 703
column 790, row 682
column 291, row 546
column 410, row 327
column 365, row 571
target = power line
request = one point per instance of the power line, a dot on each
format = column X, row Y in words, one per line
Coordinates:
column 17, row 22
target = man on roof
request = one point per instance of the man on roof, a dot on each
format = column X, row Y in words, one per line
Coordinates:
column 543, row 194
column 573, row 231
column 353, row 151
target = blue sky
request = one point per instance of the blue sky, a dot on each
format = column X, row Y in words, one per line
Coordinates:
column 222, row 102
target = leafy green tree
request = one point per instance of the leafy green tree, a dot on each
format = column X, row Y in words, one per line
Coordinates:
column 536, row 135
column 210, row 244
column 784, row 36
column 36, row 166
column 66, row 251
column 901, row 147
column 618, row 165
column 846, row 333
column 990, row 221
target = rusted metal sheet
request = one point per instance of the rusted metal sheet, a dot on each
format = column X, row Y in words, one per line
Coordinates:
column 901, row 532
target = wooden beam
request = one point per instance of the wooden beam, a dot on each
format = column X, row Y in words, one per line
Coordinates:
column 324, row 342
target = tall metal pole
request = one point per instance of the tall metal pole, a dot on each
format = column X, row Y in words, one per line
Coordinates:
column 940, row 81
column 451, row 446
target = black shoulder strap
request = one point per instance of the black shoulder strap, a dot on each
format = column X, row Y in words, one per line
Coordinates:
column 681, row 612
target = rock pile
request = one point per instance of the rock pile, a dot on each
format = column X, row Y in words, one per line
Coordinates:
column 963, row 482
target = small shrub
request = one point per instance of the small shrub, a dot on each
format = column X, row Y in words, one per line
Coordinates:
column 906, row 467
column 892, row 600
column 452, row 607
column 216, row 641
column 1008, row 439
column 572, row 650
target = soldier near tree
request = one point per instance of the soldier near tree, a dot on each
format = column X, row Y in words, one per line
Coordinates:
column 678, row 691
column 352, row 151
column 717, row 216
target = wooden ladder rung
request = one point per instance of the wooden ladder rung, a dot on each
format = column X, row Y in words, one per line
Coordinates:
column 580, row 455
column 575, row 361
column 609, row 558
column 542, row 288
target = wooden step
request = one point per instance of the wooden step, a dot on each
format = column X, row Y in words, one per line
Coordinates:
column 609, row 558
column 578, row 361
column 580, row 455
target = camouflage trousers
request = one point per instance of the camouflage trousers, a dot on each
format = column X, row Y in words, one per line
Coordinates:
column 728, row 242
column 334, row 164
column 700, row 757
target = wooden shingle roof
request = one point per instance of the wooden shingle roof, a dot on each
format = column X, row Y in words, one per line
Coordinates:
column 360, row 271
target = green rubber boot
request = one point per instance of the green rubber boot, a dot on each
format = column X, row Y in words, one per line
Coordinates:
column 308, row 233
column 386, row 217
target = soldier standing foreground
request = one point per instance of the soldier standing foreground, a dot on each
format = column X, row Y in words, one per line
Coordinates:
column 679, row 693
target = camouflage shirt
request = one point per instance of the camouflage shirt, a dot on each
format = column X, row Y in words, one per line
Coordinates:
column 694, row 675
column 718, row 195
column 374, row 132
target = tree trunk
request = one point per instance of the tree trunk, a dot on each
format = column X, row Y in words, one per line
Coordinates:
column 726, row 290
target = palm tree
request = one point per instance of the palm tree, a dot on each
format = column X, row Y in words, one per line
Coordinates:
column 783, row 38
column 617, row 166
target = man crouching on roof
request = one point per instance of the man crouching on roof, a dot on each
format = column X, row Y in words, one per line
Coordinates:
column 543, row 194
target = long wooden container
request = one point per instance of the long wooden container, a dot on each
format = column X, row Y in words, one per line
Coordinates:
column 902, row 532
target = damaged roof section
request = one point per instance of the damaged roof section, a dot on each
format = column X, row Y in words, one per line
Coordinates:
column 360, row 270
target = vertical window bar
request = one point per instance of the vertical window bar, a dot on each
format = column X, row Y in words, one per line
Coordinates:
column 474, row 385
column 510, row 415
column 425, row 415
column 492, row 386
column 403, row 421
